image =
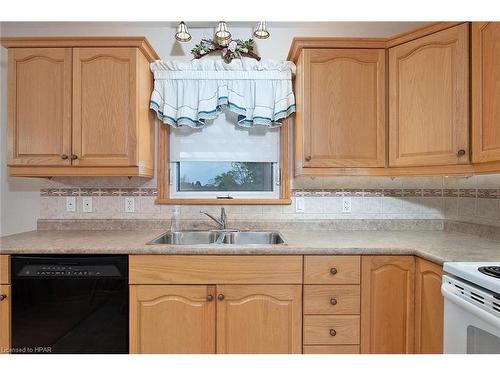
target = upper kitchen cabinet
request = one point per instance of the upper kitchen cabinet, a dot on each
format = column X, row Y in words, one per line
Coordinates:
column 340, row 120
column 428, row 100
column 80, row 106
column 485, row 92
column 39, row 109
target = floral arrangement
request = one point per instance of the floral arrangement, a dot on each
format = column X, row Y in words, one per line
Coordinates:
column 230, row 49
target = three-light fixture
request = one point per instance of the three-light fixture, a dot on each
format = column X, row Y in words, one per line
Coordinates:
column 222, row 34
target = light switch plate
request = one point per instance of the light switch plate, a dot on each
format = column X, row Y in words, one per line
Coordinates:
column 71, row 204
column 346, row 205
column 299, row 204
column 129, row 204
column 87, row 204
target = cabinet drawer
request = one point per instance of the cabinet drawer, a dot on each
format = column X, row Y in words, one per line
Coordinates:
column 215, row 269
column 336, row 269
column 4, row 269
column 332, row 299
column 331, row 349
column 331, row 330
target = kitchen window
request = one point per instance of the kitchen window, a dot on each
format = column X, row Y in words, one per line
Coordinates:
column 223, row 163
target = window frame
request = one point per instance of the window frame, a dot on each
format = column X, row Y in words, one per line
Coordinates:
column 163, row 173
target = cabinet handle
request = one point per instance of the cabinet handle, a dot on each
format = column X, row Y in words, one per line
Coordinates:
column 333, row 301
column 220, row 297
column 333, row 271
column 308, row 158
column 461, row 152
column 74, row 157
column 64, row 156
column 210, row 298
column 333, row 332
column 2, row 297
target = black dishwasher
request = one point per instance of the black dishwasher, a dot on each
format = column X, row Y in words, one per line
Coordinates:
column 70, row 304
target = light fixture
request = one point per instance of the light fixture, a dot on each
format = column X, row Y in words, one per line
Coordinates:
column 182, row 34
column 222, row 33
column 261, row 31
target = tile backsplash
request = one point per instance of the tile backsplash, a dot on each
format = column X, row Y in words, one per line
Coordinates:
column 474, row 199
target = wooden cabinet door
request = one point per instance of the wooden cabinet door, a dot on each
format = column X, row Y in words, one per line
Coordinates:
column 387, row 304
column 259, row 319
column 428, row 96
column 5, row 306
column 105, row 106
column 429, row 310
column 39, row 113
column 172, row 319
column 342, row 121
column 485, row 91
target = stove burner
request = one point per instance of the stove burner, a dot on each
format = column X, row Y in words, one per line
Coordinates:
column 493, row 271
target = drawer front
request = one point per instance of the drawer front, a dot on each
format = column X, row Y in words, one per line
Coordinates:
column 215, row 269
column 4, row 269
column 335, row 269
column 331, row 349
column 332, row 299
column 331, row 330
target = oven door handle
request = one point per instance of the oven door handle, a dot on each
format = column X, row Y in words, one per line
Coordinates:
column 480, row 313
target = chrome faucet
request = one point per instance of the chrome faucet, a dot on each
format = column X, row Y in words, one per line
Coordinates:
column 222, row 222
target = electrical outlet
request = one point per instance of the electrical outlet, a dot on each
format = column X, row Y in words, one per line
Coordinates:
column 299, row 204
column 87, row 204
column 346, row 205
column 129, row 204
column 70, row 204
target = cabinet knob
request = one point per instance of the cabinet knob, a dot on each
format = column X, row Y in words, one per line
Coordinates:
column 333, row 301
column 333, row 271
column 220, row 297
column 74, row 157
column 2, row 297
column 461, row 152
column 210, row 298
column 308, row 158
column 64, row 156
column 333, row 332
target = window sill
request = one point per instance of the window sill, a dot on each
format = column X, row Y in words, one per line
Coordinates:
column 223, row 202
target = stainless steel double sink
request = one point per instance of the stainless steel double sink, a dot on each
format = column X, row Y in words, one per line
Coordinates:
column 193, row 237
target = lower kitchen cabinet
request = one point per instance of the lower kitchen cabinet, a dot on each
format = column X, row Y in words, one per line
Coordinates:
column 172, row 319
column 429, row 309
column 5, row 308
column 387, row 304
column 259, row 319
column 331, row 349
column 183, row 319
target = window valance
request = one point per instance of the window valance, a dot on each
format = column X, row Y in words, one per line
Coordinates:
column 189, row 93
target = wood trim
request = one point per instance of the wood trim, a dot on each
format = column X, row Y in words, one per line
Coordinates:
column 331, row 349
column 458, row 170
column 102, row 41
column 300, row 43
column 164, row 185
column 18, row 171
column 419, row 32
column 4, row 269
column 215, row 269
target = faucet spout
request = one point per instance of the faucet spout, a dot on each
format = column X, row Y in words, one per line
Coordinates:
column 222, row 221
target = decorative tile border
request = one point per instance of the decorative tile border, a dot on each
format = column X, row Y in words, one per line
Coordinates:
column 103, row 192
column 406, row 193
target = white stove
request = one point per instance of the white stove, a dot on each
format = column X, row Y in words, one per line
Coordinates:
column 471, row 293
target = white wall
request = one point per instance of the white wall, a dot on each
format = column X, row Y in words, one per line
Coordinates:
column 20, row 198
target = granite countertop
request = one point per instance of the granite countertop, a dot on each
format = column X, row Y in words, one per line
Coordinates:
column 437, row 246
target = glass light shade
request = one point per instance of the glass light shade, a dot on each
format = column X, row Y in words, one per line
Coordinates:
column 182, row 34
column 222, row 33
column 261, row 31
